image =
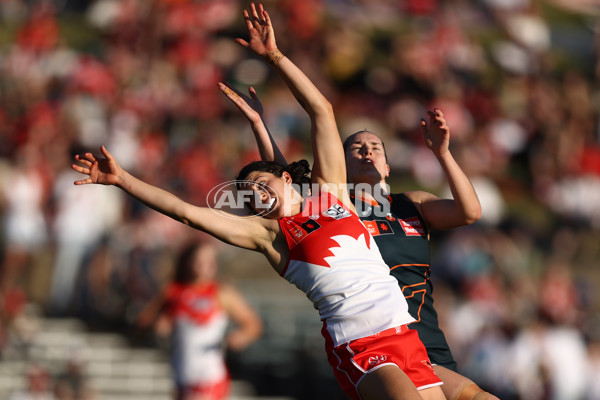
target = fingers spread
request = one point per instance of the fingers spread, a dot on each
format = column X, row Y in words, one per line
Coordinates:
column 267, row 18
column 263, row 14
column 83, row 160
column 80, row 169
column 248, row 20
column 106, row 153
column 83, row 181
column 254, row 13
column 242, row 42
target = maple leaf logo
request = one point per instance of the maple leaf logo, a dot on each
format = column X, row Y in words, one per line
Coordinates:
column 350, row 248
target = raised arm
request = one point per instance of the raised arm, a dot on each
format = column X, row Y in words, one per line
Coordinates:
column 464, row 208
column 246, row 232
column 329, row 162
column 252, row 109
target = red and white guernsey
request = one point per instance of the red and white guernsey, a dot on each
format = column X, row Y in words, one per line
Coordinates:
column 199, row 328
column 334, row 260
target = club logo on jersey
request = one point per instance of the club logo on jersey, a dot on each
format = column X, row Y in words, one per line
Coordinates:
column 379, row 227
column 374, row 360
column 310, row 226
column 300, row 231
column 297, row 233
column 337, row 212
column 412, row 226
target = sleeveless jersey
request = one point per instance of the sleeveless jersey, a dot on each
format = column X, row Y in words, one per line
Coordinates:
column 403, row 239
column 335, row 261
column 199, row 329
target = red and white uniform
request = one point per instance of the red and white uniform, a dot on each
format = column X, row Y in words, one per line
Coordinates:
column 199, row 328
column 336, row 263
column 334, row 260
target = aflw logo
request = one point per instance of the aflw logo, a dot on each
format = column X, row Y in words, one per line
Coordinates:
column 337, row 212
column 237, row 198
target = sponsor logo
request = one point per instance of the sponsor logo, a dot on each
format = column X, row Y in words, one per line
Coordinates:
column 412, row 226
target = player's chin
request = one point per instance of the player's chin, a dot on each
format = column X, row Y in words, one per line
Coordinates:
column 270, row 210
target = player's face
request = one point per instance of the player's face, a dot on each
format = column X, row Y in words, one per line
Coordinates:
column 205, row 263
column 273, row 196
column 365, row 159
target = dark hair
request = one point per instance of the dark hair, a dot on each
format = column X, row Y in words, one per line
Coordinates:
column 298, row 170
column 184, row 273
column 348, row 141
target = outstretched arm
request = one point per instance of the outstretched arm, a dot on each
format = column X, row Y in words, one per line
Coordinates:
column 329, row 163
column 464, row 208
column 252, row 109
column 246, row 232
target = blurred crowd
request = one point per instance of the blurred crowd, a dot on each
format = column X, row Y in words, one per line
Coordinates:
column 516, row 80
column 69, row 383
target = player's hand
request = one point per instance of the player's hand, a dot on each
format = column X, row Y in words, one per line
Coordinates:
column 250, row 106
column 436, row 133
column 104, row 171
column 260, row 31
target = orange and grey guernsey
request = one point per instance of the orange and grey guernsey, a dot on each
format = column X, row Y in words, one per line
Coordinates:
column 403, row 240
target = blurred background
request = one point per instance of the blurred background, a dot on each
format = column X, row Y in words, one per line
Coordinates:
column 517, row 81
